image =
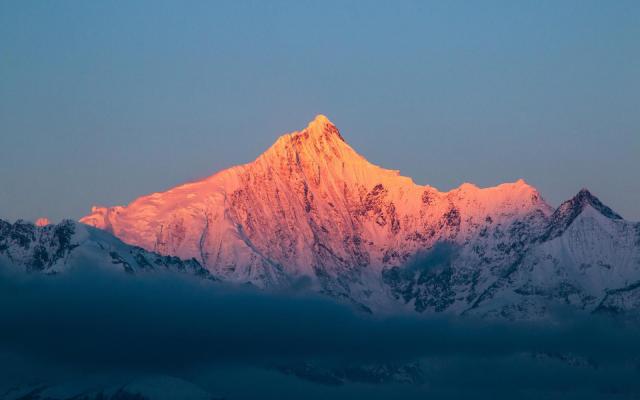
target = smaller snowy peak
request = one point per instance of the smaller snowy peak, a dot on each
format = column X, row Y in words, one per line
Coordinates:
column 468, row 187
column 505, row 196
column 519, row 187
column 583, row 199
column 99, row 217
column 568, row 211
column 525, row 192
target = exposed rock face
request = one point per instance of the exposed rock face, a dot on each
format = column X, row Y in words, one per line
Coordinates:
column 52, row 249
column 310, row 206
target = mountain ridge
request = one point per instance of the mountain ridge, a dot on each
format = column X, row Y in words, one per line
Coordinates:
column 58, row 248
column 313, row 175
column 311, row 207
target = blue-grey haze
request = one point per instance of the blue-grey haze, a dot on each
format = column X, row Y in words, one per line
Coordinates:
column 101, row 102
column 228, row 338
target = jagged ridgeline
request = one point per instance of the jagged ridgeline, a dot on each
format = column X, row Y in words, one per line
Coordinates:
column 52, row 249
column 312, row 208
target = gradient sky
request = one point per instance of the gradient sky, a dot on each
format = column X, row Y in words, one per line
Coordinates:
column 101, row 102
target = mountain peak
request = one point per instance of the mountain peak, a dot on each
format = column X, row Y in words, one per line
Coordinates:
column 321, row 126
column 320, row 137
column 584, row 193
column 320, row 119
column 572, row 208
column 585, row 198
column 43, row 221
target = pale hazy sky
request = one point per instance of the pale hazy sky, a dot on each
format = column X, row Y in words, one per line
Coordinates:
column 101, row 102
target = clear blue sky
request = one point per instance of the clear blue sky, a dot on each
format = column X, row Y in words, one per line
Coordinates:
column 101, row 102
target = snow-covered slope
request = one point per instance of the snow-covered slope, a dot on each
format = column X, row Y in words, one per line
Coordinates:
column 585, row 257
column 52, row 249
column 588, row 258
column 311, row 206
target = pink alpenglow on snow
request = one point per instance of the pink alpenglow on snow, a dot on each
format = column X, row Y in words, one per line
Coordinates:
column 43, row 221
column 311, row 203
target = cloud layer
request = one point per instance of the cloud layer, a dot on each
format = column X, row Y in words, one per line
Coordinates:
column 104, row 322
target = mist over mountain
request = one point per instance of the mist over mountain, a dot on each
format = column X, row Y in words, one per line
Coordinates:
column 100, row 331
column 312, row 272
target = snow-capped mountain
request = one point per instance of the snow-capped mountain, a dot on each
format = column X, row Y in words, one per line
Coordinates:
column 52, row 249
column 584, row 256
column 311, row 207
